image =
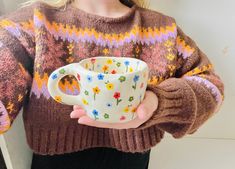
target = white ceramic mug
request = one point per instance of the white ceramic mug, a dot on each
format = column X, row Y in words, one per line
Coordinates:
column 111, row 88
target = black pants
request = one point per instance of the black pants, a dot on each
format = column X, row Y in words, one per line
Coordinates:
column 94, row 158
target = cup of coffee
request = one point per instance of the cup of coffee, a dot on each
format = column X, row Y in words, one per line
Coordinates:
column 111, row 88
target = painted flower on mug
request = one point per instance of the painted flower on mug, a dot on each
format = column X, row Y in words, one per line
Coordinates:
column 136, row 79
column 122, row 79
column 96, row 91
column 89, row 78
column 100, row 76
column 127, row 63
column 79, row 77
column 93, row 63
column 54, row 76
column 95, row 113
column 109, row 105
column 118, row 64
column 109, row 61
column 110, row 86
column 117, row 95
column 131, row 98
column 106, row 116
column 84, row 101
column 114, row 72
column 105, row 69
column 58, row 99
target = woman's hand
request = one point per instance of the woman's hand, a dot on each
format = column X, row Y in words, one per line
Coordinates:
column 144, row 112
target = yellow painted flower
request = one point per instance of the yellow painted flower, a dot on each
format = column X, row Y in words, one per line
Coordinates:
column 96, row 90
column 86, row 65
column 84, row 101
column 134, row 110
column 126, row 109
column 170, row 57
column 109, row 61
column 131, row 69
column 105, row 68
column 58, row 99
column 109, row 86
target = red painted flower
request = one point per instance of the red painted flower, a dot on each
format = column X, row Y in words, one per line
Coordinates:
column 113, row 72
column 122, row 118
column 93, row 60
column 116, row 95
column 142, row 85
column 78, row 76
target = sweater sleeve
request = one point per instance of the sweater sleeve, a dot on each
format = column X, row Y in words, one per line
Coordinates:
column 16, row 64
column 189, row 98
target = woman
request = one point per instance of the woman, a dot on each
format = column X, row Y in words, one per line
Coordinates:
column 183, row 90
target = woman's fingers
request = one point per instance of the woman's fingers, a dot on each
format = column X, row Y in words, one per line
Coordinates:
column 77, row 113
column 76, row 107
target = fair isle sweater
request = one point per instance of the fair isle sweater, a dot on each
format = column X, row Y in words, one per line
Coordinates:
column 36, row 40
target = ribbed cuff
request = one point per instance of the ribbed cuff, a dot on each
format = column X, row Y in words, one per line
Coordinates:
column 177, row 107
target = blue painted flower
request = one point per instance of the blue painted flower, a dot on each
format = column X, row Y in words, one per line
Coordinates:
column 95, row 112
column 109, row 104
column 127, row 63
column 54, row 76
column 89, row 78
column 136, row 78
column 100, row 76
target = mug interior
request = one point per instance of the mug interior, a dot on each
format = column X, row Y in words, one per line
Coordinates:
column 113, row 65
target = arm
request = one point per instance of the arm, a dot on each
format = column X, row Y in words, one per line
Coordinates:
column 16, row 64
column 192, row 96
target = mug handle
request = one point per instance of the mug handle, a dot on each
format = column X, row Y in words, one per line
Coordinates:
column 53, row 85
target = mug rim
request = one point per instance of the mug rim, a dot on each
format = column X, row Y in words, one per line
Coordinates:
column 111, row 57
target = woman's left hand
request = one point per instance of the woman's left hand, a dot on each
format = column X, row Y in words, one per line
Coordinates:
column 144, row 112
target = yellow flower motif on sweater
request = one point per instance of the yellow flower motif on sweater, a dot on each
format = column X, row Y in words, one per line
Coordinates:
column 10, row 107
column 106, row 51
column 170, row 56
column 168, row 44
column 20, row 97
column 137, row 49
column 58, row 99
column 70, row 59
column 109, row 86
column 171, row 67
column 153, row 80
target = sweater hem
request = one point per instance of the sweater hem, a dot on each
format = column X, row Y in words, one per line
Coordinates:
column 72, row 137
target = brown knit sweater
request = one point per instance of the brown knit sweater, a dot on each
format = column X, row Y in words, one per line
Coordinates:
column 36, row 40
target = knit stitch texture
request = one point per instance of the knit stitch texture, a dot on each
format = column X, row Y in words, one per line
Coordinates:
column 36, row 40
